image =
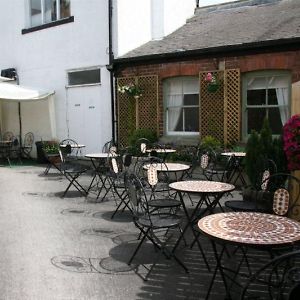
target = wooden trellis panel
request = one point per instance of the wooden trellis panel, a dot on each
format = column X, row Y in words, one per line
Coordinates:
column 147, row 106
column 148, row 102
column 220, row 111
column 232, row 106
column 212, row 107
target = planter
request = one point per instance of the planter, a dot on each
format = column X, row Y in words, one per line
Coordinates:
column 212, row 88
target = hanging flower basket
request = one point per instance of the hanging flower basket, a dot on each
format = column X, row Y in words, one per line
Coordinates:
column 132, row 90
column 213, row 83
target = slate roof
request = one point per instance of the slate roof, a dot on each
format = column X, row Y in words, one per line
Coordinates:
column 230, row 25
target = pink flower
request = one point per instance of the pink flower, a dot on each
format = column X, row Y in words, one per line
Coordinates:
column 209, row 77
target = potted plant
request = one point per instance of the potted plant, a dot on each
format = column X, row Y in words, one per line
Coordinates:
column 213, row 83
column 51, row 151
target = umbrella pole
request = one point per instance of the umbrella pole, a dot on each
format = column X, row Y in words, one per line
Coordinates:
column 20, row 123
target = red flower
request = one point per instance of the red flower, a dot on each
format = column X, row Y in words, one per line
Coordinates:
column 291, row 138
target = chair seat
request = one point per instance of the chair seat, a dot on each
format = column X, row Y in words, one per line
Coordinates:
column 70, row 168
column 164, row 203
column 250, row 206
column 159, row 221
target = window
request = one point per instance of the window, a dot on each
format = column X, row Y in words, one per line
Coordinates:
column 266, row 95
column 84, row 77
column 181, row 98
column 46, row 11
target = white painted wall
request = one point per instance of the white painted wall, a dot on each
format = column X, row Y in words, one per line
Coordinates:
column 42, row 59
column 139, row 21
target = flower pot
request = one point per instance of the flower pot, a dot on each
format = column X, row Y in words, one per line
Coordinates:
column 212, row 87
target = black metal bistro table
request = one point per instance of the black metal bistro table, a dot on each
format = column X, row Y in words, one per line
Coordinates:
column 204, row 189
column 246, row 229
column 238, row 166
column 99, row 163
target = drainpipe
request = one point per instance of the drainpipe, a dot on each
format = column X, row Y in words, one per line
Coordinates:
column 197, row 3
column 109, row 67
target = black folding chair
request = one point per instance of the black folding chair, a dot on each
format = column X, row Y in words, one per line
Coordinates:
column 151, row 224
column 71, row 169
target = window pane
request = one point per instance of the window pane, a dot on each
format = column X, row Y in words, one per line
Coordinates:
column 255, row 119
column 175, row 118
column 36, row 12
column 256, row 97
column 50, row 11
column 275, row 120
column 191, row 119
column 272, row 97
column 65, row 8
column 84, row 77
column 192, row 99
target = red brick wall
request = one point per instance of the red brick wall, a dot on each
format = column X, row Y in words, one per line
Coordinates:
column 288, row 60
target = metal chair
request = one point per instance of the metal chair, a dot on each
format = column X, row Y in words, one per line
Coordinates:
column 151, row 224
column 157, row 184
column 277, row 279
column 279, row 194
column 27, row 144
column 71, row 169
column 117, row 176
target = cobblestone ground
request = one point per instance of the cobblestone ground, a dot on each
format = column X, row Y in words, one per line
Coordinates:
column 70, row 248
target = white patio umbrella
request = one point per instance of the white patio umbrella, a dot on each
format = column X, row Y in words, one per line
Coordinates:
column 21, row 94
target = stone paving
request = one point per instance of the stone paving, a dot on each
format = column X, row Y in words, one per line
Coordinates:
column 70, row 248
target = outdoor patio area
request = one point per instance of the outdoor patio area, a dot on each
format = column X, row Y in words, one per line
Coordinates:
column 70, row 248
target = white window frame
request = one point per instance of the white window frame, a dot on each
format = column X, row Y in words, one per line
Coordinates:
column 166, row 107
column 262, row 74
column 79, row 70
column 43, row 19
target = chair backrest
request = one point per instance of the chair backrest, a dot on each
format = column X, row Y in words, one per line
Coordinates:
column 280, row 279
column 285, row 190
column 69, row 147
column 107, row 146
column 142, row 145
column 7, row 136
column 137, row 197
column 28, row 139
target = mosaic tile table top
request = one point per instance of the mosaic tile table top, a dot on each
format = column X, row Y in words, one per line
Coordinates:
column 99, row 155
column 79, row 146
column 251, row 228
column 237, row 154
column 201, row 186
column 162, row 150
column 169, row 167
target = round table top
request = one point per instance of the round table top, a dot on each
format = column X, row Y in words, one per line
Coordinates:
column 169, row 167
column 73, row 146
column 251, row 228
column 237, row 154
column 162, row 150
column 99, row 155
column 202, row 186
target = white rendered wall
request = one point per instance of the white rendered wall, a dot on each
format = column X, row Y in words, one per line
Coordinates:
column 140, row 21
column 42, row 59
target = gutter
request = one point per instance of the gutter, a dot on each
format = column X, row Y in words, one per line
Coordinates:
column 228, row 50
column 109, row 67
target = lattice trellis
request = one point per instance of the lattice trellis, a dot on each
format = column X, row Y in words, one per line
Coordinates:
column 220, row 110
column 232, row 106
column 147, row 106
column 212, row 107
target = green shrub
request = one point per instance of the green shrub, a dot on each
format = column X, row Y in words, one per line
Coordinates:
column 51, row 147
column 142, row 133
column 210, row 142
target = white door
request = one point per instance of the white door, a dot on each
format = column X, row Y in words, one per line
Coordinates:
column 84, row 122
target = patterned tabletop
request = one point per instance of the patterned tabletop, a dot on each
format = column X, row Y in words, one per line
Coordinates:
column 169, row 167
column 162, row 150
column 99, row 155
column 73, row 146
column 251, row 228
column 237, row 154
column 201, row 186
